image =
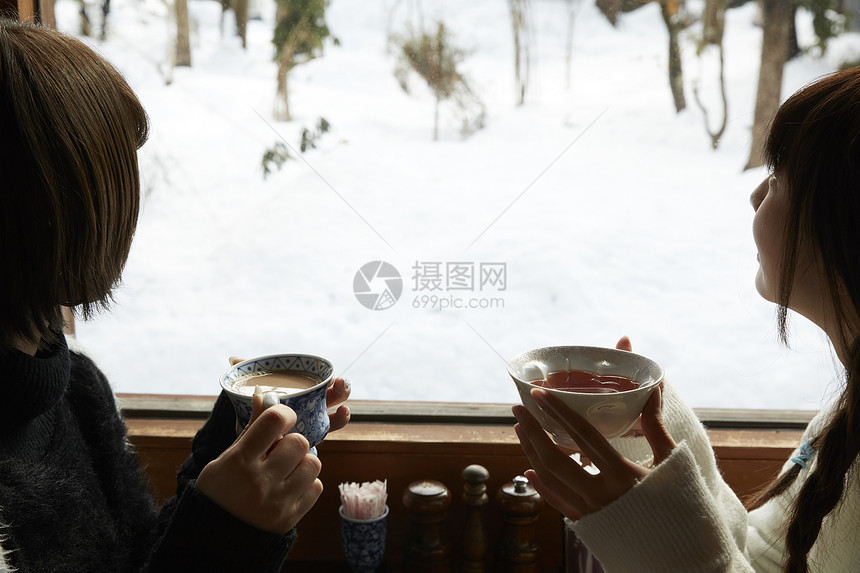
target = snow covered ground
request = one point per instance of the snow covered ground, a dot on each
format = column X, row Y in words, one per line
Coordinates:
column 609, row 213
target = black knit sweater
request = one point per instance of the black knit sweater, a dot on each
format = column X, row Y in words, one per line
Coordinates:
column 72, row 496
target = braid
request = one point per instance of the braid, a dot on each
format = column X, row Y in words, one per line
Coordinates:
column 838, row 447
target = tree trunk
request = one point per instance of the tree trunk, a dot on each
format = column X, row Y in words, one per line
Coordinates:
column 715, row 135
column 105, row 13
column 713, row 22
column 85, row 28
column 183, row 43
column 519, row 22
column 282, row 99
column 240, row 8
column 669, row 9
column 568, row 43
column 287, row 63
column 774, row 53
column 793, row 45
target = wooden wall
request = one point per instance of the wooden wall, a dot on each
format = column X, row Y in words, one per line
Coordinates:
column 402, row 452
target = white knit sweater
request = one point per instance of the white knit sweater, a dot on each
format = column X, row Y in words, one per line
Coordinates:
column 684, row 518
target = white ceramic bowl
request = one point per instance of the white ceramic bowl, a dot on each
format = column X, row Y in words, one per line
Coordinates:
column 613, row 414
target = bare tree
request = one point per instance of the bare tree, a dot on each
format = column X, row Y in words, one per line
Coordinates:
column 46, row 16
column 713, row 26
column 671, row 12
column 568, row 43
column 105, row 12
column 522, row 43
column 774, row 54
column 183, row 42
column 240, row 9
column 718, row 134
column 713, row 23
column 85, row 28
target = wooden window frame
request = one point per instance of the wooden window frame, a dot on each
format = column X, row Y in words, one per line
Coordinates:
column 23, row 10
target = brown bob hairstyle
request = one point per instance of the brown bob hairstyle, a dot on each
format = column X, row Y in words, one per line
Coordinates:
column 70, row 127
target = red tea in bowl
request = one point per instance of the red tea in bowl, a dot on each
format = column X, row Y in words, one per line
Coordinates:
column 586, row 382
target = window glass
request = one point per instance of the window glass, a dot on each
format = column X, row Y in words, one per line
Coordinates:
column 419, row 241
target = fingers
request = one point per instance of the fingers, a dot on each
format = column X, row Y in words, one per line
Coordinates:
column 655, row 431
column 258, row 404
column 234, row 360
column 339, row 418
column 257, row 407
column 338, row 392
column 259, row 436
column 636, row 430
column 305, row 501
column 301, row 482
column 551, row 497
column 547, row 478
column 553, row 465
column 287, row 455
column 591, row 442
column 624, row 344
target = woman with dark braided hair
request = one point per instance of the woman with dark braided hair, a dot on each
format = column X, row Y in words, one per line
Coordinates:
column 659, row 504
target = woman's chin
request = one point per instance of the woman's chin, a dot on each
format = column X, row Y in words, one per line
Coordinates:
column 763, row 288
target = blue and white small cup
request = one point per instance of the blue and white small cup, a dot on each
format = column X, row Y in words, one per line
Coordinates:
column 309, row 405
column 363, row 541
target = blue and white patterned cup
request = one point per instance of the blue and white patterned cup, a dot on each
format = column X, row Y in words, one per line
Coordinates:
column 309, row 405
column 363, row 541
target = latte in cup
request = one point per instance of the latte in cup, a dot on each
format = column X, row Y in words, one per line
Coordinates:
column 282, row 382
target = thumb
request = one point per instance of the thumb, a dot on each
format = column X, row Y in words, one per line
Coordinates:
column 624, row 344
column 655, row 431
column 257, row 408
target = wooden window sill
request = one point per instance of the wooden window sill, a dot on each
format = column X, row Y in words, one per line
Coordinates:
column 406, row 442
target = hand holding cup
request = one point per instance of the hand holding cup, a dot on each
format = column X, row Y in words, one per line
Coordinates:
column 266, row 478
column 560, row 479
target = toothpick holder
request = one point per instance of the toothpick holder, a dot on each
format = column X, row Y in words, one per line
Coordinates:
column 363, row 541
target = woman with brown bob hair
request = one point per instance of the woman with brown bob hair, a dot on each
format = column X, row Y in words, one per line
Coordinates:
column 659, row 504
column 70, row 129
column 72, row 497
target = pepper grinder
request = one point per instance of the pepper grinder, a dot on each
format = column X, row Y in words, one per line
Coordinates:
column 428, row 549
column 475, row 528
column 519, row 504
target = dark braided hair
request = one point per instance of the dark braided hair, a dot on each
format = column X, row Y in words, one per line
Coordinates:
column 814, row 146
